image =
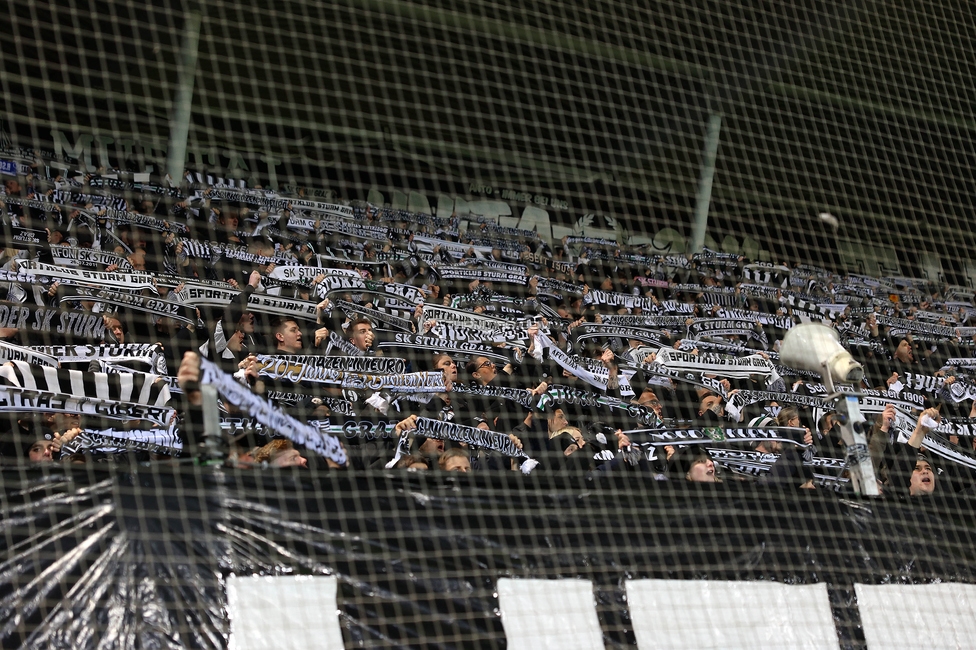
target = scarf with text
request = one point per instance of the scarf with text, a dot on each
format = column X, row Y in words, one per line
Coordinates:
column 723, row 366
column 64, row 275
column 727, row 327
column 334, row 404
column 342, row 346
column 610, row 299
column 371, row 365
column 281, row 368
column 115, row 441
column 433, row 344
column 14, row 399
column 125, row 218
column 145, row 304
column 558, row 395
column 11, row 352
column 74, row 256
column 265, row 413
column 46, row 320
column 139, row 388
column 483, row 274
column 709, row 435
column 472, row 436
column 956, row 391
column 146, row 353
column 375, row 315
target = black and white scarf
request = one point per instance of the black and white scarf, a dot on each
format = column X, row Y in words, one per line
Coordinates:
column 559, row 394
column 38, row 321
column 265, row 413
column 370, row 365
column 72, row 255
column 723, row 366
column 11, row 352
column 375, row 315
column 114, row 441
column 14, row 399
column 139, row 388
column 145, row 304
column 432, row 344
column 64, row 275
column 725, row 327
column 709, row 435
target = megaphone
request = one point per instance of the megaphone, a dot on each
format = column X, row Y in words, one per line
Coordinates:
column 816, row 347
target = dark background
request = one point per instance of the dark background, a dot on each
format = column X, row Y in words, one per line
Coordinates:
column 137, row 557
column 860, row 108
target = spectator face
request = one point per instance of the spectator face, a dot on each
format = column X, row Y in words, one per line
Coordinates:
column 923, row 479
column 138, row 260
column 42, row 451
column 362, row 336
column 289, row 458
column 115, row 327
column 457, row 464
column 290, row 338
column 432, row 447
column 904, row 352
column 712, row 403
column 12, row 186
column 449, row 367
column 486, row 370
column 246, row 323
column 229, row 221
column 702, row 471
column 559, row 421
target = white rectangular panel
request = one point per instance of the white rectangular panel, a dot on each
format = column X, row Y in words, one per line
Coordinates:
column 730, row 614
column 283, row 613
column 918, row 616
column 556, row 614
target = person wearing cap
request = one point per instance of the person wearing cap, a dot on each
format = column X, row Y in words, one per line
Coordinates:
column 693, row 464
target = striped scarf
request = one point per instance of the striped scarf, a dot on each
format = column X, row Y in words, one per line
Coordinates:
column 139, row 388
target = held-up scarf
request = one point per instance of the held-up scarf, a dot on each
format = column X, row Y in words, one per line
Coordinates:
column 730, row 367
column 482, row 274
column 757, row 463
column 365, row 430
column 262, row 411
column 127, row 281
column 334, row 404
column 370, row 365
column 708, row 435
column 557, row 395
column 113, row 441
column 957, row 391
column 123, row 217
column 283, row 369
column 375, row 315
column 46, row 320
column 472, row 436
column 139, row 388
column 722, row 327
column 147, row 353
column 11, row 352
column 432, row 344
column 154, row 306
column 89, row 258
column 598, row 297
column 343, row 346
column 23, row 399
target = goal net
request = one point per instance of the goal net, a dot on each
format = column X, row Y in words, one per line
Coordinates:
column 429, row 324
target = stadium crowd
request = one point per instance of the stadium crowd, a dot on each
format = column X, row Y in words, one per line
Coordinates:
column 350, row 335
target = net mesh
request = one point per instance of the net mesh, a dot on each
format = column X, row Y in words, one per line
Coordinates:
column 556, row 246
